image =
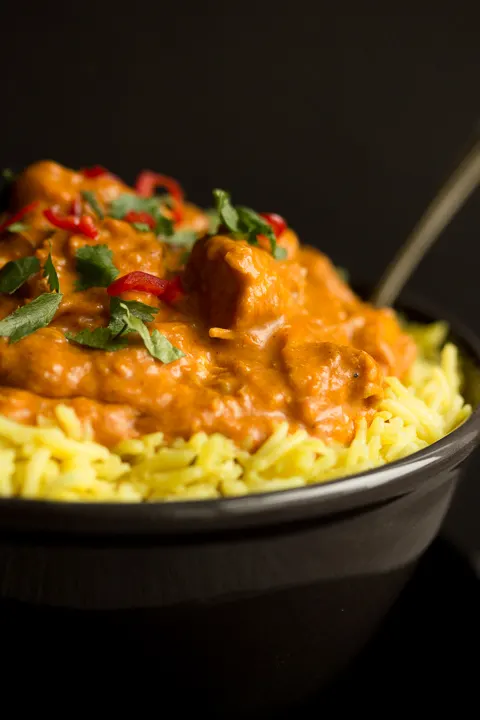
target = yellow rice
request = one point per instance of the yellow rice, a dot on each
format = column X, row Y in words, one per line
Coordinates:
column 61, row 462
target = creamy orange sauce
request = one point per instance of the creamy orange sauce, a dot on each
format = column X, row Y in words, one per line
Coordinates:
column 264, row 340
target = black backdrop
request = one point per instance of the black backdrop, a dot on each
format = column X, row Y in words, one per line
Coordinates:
column 343, row 116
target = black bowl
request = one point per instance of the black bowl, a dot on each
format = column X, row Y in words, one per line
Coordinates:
column 238, row 593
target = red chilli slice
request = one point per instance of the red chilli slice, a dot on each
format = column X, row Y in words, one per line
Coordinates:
column 173, row 291
column 277, row 222
column 148, row 181
column 83, row 225
column 140, row 217
column 168, row 290
column 94, row 171
column 18, row 215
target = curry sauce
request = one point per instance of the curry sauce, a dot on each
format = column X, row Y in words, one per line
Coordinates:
column 264, row 340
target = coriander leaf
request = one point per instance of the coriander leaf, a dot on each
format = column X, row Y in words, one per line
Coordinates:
column 16, row 272
column 18, row 227
column 145, row 313
column 118, row 322
column 279, row 253
column 225, row 210
column 109, row 338
column 26, row 319
column 163, row 350
column 251, row 238
column 95, row 266
column 50, row 273
column 157, row 344
column 91, row 199
column 253, row 224
column 125, row 203
column 164, row 226
column 244, row 223
column 141, row 227
column 251, row 221
column 182, row 238
column 100, row 338
column 213, row 221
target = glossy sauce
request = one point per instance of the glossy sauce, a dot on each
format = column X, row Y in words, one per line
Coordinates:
column 264, row 340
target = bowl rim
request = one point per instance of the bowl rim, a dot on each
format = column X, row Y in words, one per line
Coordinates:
column 342, row 494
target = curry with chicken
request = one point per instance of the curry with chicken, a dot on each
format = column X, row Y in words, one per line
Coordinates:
column 145, row 313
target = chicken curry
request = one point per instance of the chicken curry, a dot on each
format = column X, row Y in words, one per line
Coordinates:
column 144, row 313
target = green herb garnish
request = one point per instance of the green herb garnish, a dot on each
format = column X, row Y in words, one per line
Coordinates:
column 95, row 266
column 100, row 339
column 127, row 202
column 27, row 319
column 226, row 212
column 112, row 338
column 157, row 344
column 182, row 238
column 141, row 227
column 127, row 317
column 18, row 227
column 118, row 324
column 245, row 223
column 213, row 221
column 91, row 199
column 50, row 273
column 16, row 272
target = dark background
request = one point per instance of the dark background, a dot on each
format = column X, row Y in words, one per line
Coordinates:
column 345, row 118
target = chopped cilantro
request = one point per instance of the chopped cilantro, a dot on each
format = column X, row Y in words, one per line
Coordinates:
column 226, row 212
column 91, row 199
column 157, row 344
column 125, row 203
column 16, row 272
column 95, row 266
column 18, row 227
column 244, row 223
column 118, row 323
column 50, row 273
column 182, row 238
column 27, row 319
column 100, row 339
column 213, row 221
column 111, row 338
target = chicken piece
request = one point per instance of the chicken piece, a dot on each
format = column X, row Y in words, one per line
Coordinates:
column 54, row 184
column 332, row 384
column 380, row 335
column 240, row 286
